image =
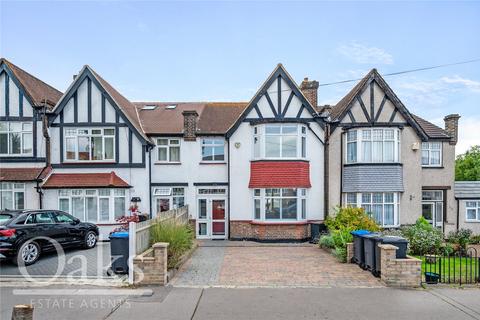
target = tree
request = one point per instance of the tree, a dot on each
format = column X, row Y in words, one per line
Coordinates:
column 467, row 165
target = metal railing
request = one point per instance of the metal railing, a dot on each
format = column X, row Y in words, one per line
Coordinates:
column 456, row 268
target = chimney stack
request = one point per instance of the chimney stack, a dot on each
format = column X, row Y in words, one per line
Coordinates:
column 451, row 126
column 190, row 125
column 310, row 90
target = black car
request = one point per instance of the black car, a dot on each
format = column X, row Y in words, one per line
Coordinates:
column 25, row 234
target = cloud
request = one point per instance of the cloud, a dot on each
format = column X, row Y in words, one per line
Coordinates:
column 468, row 133
column 466, row 83
column 361, row 53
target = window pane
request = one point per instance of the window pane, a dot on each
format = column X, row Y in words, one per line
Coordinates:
column 162, row 154
column 367, row 151
column 70, row 148
column 289, row 129
column 352, row 198
column 367, row 208
column 78, row 208
column 103, row 192
column 272, row 208
column 109, row 132
column 97, row 148
column 275, row 129
column 352, row 135
column 272, row 192
column 175, row 154
column 256, row 147
column 388, row 134
column 434, row 157
column 202, row 208
column 425, row 154
column 104, row 213
column 366, row 197
column 19, row 200
column 289, row 146
column 389, row 197
column 389, row 153
column 119, row 207
column 289, row 192
column 304, row 208
column 7, row 200
column 118, row 192
column 27, row 143
column 4, row 143
column 15, row 143
column 83, row 148
column 257, row 208
column 351, row 152
column 162, row 142
column 471, row 214
column 304, row 147
column 389, row 214
column 218, row 151
column 366, row 134
column 108, row 149
column 289, row 208
column 207, row 153
column 178, row 191
column 435, row 145
column 91, row 203
column 272, row 146
column 439, row 211
column 377, row 213
column 377, row 198
column 377, row 151
column 3, row 126
column 256, row 192
column 63, row 205
column 178, row 202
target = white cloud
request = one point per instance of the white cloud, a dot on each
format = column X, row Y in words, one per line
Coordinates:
column 468, row 133
column 361, row 53
column 467, row 83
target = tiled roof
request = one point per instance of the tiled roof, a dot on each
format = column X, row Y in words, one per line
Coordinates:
column 23, row 174
column 85, row 180
column 38, row 91
column 213, row 117
column 467, row 189
column 279, row 174
column 430, row 129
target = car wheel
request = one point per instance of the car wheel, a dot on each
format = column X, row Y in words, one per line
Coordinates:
column 28, row 254
column 90, row 240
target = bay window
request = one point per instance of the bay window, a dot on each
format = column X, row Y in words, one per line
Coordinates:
column 168, row 150
column 381, row 206
column 372, row 146
column 94, row 205
column 473, row 211
column 279, row 204
column 276, row 141
column 16, row 138
column 90, row 144
column 431, row 154
column 12, row 196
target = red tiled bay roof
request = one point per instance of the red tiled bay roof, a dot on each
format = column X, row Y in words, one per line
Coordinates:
column 85, row 180
column 279, row 174
column 23, row 174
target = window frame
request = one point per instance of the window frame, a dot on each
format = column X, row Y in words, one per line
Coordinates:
column 171, row 197
column 427, row 146
column 359, row 203
column 15, row 188
column 260, row 135
column 68, row 134
column 360, row 141
column 259, row 195
column 217, row 142
column 475, row 207
column 168, row 148
column 23, row 132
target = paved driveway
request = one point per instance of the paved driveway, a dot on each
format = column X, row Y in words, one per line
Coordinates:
column 78, row 262
column 248, row 264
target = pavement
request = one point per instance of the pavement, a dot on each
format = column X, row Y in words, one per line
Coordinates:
column 174, row 303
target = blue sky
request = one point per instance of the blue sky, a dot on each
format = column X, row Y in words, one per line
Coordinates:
column 222, row 51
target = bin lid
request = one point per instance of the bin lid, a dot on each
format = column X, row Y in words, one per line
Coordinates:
column 118, row 235
column 393, row 239
column 360, row 232
column 372, row 235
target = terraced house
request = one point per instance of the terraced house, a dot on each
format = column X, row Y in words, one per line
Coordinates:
column 265, row 169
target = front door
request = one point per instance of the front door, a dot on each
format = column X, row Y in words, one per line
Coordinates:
column 212, row 222
column 433, row 213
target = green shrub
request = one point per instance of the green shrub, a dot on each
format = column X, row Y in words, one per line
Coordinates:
column 340, row 254
column 326, row 241
column 460, row 237
column 341, row 238
column 179, row 236
column 447, row 249
column 475, row 239
column 351, row 219
column 423, row 238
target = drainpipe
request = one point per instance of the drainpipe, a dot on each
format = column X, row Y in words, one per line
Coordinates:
column 326, row 163
column 341, row 167
column 458, row 214
column 228, row 187
column 150, row 180
column 47, row 153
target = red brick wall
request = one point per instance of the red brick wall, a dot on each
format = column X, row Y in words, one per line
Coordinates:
column 259, row 231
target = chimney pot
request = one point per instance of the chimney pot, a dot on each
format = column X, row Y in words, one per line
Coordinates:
column 310, row 90
column 451, row 126
column 190, row 125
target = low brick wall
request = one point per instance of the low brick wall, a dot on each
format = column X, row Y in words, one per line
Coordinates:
column 150, row 267
column 399, row 272
column 248, row 230
column 350, row 252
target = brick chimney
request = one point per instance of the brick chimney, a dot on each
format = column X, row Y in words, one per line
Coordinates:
column 310, row 90
column 451, row 126
column 190, row 125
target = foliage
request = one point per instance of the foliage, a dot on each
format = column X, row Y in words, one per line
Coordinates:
column 125, row 221
column 447, row 249
column 460, row 237
column 475, row 239
column 179, row 236
column 423, row 238
column 351, row 219
column 392, row 232
column 340, row 253
column 341, row 238
column 467, row 165
column 326, row 241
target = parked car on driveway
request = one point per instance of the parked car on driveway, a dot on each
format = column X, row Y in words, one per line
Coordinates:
column 24, row 234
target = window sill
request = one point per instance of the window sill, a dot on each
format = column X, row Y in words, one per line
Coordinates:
column 167, row 163
column 279, row 222
column 472, row 221
column 212, row 162
column 373, row 164
column 432, row 167
column 89, row 162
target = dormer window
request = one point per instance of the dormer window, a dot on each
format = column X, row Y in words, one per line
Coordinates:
column 372, row 146
column 85, row 144
column 280, row 141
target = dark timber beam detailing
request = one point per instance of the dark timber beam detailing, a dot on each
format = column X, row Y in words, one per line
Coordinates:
column 381, row 108
column 130, row 135
column 75, row 108
column 20, row 103
column 270, row 103
column 364, row 109
column 61, row 144
column 289, row 100
column 7, row 94
column 103, row 108
column 258, row 111
column 34, row 129
column 350, row 115
column 279, row 94
column 89, row 99
column 392, row 117
column 300, row 111
column 372, row 101
column 117, row 143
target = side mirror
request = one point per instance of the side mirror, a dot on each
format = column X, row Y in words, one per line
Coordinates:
column 76, row 221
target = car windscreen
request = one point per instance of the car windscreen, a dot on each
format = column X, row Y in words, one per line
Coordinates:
column 5, row 218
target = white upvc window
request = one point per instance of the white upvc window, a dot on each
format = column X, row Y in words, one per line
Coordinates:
column 432, row 154
column 213, row 150
column 89, row 144
column 381, row 206
column 280, row 141
column 16, row 138
column 279, row 204
column 167, row 198
column 168, row 150
column 93, row 205
column 472, row 211
column 12, row 196
column 379, row 145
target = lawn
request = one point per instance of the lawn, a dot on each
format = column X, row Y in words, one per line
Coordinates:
column 453, row 269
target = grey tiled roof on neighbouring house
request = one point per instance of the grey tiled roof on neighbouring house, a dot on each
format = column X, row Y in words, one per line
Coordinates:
column 467, row 189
